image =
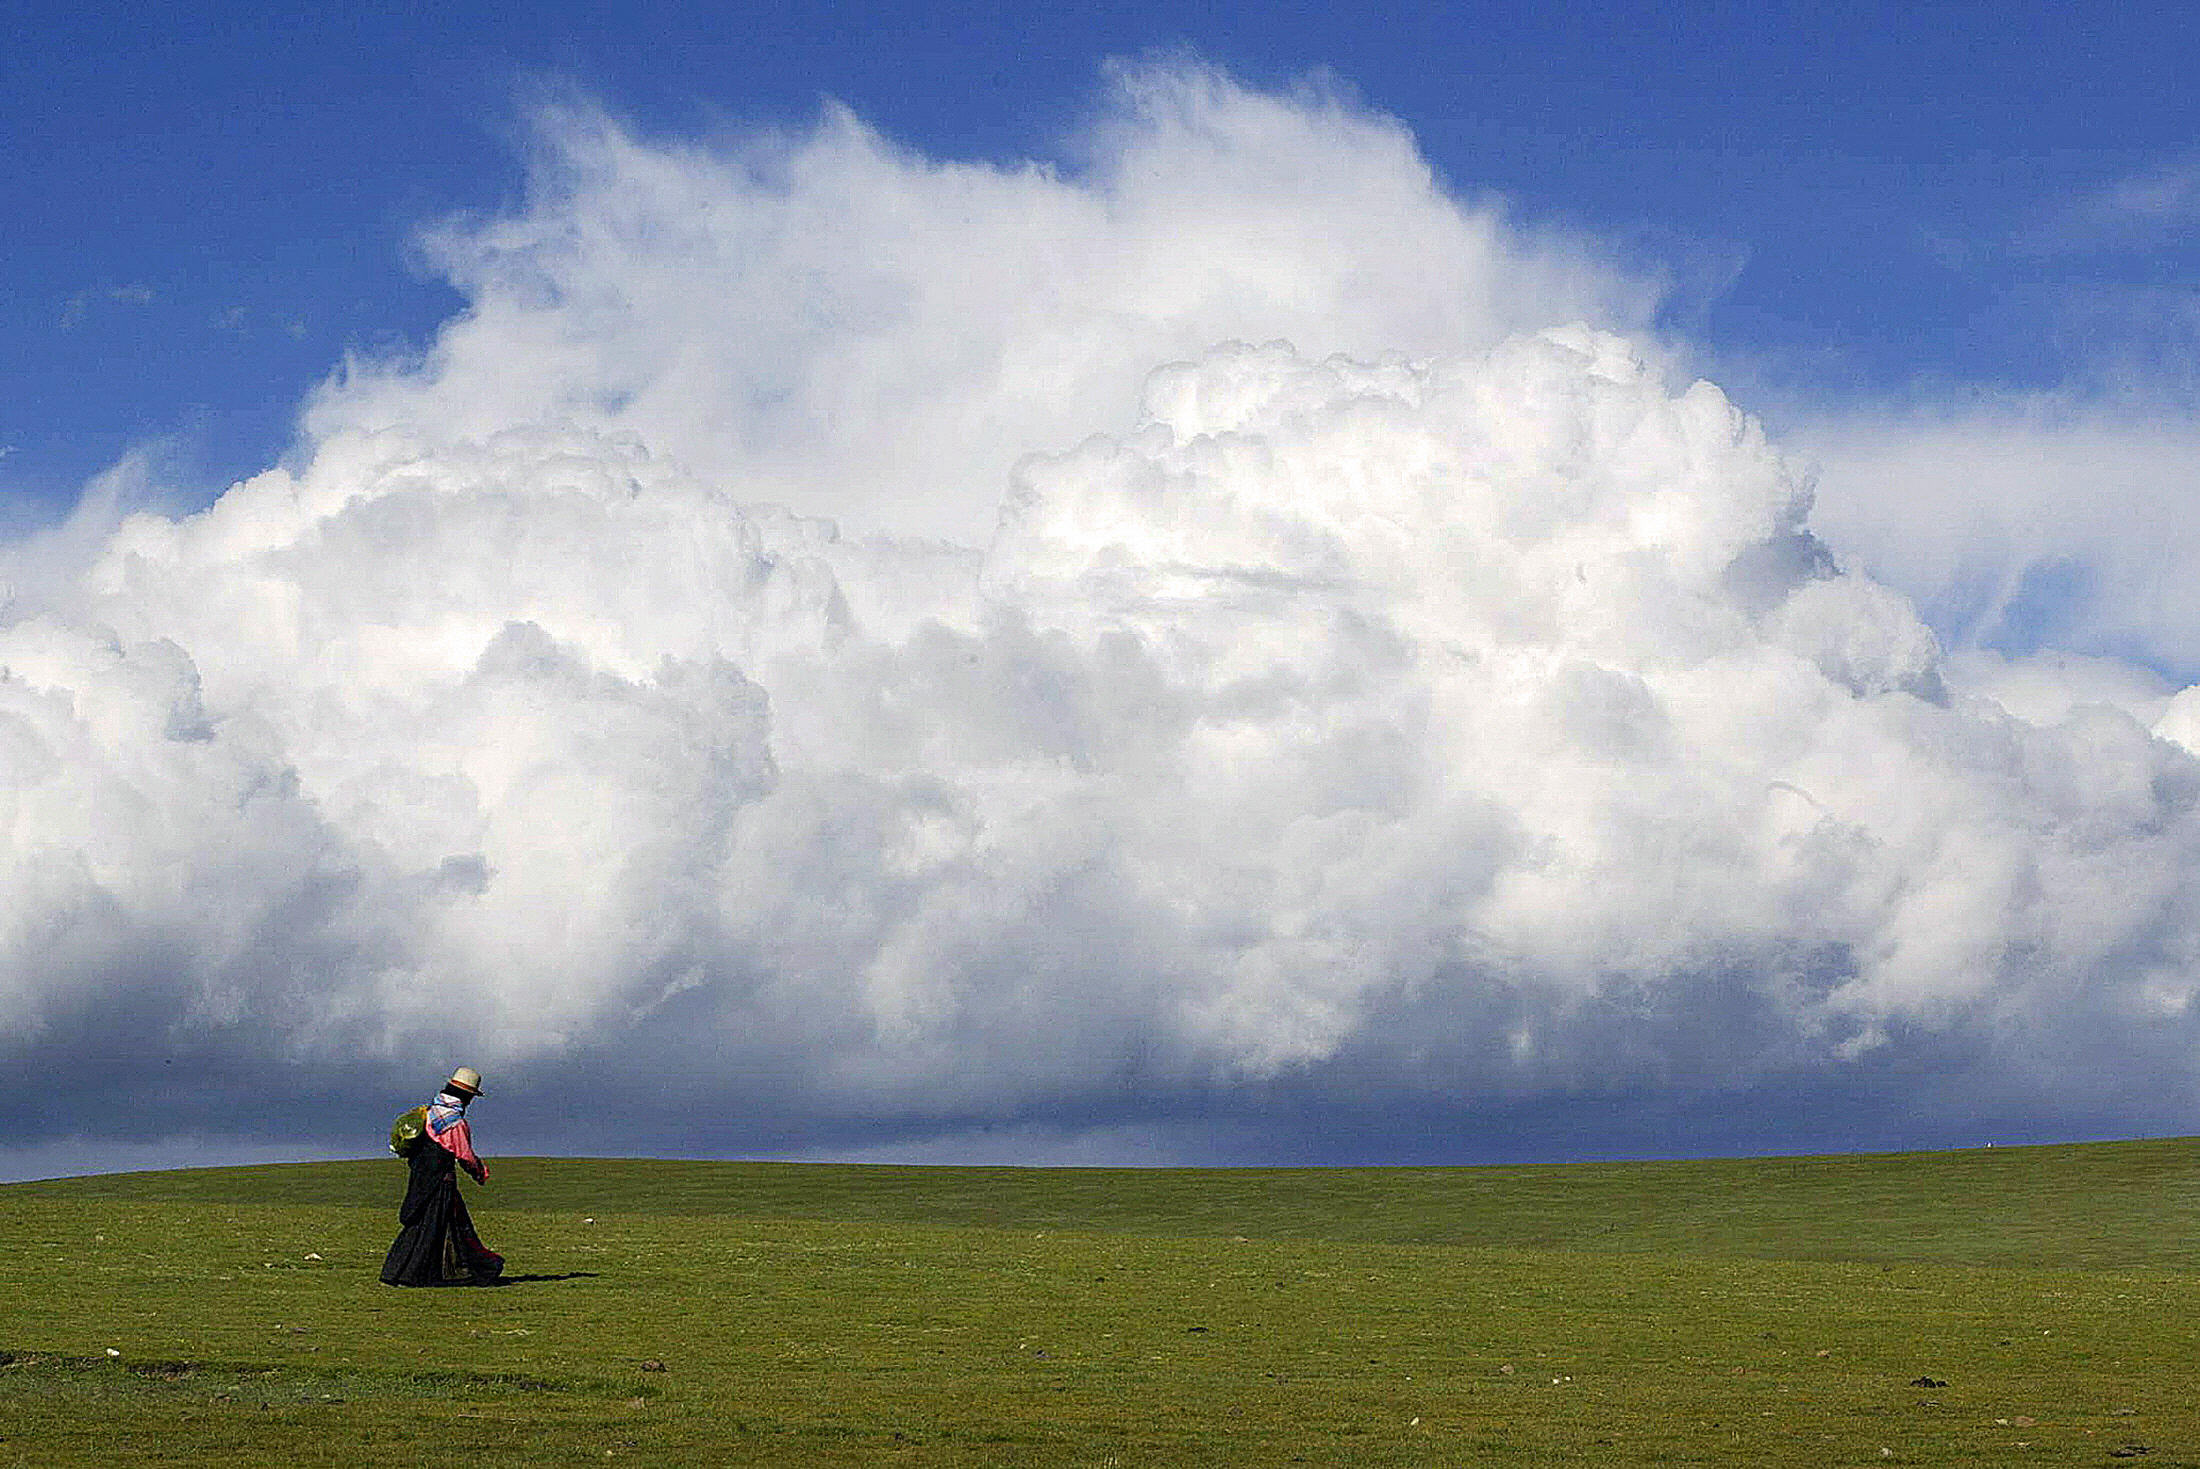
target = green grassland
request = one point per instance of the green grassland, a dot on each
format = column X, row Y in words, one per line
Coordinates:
column 2003, row 1306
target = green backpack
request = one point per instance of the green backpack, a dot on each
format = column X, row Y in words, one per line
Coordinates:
column 407, row 1131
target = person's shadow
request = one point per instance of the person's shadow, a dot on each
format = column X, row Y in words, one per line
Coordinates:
column 533, row 1279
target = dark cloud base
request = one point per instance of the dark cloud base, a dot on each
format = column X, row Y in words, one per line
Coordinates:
column 1916, row 1093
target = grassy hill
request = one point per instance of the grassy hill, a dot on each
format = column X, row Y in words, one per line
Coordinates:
column 1989, row 1307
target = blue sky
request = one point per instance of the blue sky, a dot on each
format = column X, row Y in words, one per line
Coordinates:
column 1142, row 583
column 206, row 209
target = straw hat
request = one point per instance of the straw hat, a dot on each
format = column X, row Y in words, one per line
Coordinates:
column 466, row 1080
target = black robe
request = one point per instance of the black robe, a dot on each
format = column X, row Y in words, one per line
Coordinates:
column 437, row 1245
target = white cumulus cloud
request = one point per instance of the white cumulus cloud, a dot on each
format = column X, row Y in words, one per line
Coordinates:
column 1268, row 650
column 824, row 320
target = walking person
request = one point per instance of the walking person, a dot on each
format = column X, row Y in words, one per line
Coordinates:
column 437, row 1244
